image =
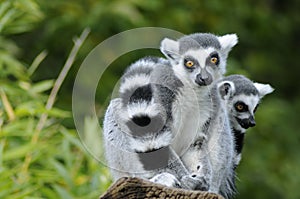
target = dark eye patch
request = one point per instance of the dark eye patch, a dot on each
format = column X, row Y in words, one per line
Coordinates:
column 189, row 58
column 212, row 56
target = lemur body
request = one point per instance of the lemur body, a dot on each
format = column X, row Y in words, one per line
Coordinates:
column 163, row 102
column 241, row 106
column 193, row 144
column 213, row 155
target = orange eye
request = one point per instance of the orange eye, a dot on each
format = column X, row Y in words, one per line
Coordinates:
column 214, row 60
column 189, row 64
column 239, row 107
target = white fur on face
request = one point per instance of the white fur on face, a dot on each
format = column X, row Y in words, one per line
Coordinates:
column 200, row 55
column 250, row 100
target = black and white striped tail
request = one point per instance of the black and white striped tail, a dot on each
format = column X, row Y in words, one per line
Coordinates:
column 137, row 93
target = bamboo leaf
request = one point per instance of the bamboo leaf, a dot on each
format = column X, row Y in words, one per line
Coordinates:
column 8, row 108
column 62, row 171
column 18, row 152
column 41, row 86
column 36, row 62
column 63, row 193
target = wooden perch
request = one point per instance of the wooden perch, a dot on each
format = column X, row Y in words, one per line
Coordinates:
column 136, row 188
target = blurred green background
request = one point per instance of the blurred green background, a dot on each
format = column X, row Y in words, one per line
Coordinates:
column 57, row 165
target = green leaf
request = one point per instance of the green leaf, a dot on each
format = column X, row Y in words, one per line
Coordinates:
column 56, row 112
column 41, row 86
column 62, row 171
column 18, row 152
column 62, row 192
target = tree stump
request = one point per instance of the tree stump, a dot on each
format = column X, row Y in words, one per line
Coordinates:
column 136, row 188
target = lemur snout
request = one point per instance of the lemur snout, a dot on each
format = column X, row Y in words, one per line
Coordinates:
column 203, row 80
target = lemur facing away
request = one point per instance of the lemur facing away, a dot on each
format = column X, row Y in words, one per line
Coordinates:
column 241, row 106
column 165, row 102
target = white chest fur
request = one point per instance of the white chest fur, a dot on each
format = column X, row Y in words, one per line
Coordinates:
column 190, row 112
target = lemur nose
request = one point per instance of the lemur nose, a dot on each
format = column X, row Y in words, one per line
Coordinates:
column 252, row 122
column 203, row 80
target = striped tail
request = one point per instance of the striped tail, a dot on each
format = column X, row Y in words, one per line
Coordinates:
column 145, row 114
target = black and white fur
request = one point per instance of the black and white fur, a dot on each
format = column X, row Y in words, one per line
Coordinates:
column 197, row 107
column 134, row 147
column 247, row 94
column 216, row 151
column 241, row 106
column 162, row 102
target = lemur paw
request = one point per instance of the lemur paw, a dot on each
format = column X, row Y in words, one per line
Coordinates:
column 166, row 179
column 195, row 182
column 199, row 142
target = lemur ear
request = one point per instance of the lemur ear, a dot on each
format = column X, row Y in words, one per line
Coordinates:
column 263, row 89
column 228, row 41
column 226, row 89
column 170, row 49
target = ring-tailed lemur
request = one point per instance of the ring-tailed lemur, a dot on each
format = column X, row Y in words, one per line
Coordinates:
column 241, row 106
column 132, row 146
column 205, row 62
column 217, row 147
column 160, row 100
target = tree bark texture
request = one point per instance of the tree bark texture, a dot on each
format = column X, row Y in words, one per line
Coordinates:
column 136, row 188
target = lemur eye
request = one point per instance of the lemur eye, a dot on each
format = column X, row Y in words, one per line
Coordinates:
column 214, row 60
column 241, row 107
column 189, row 64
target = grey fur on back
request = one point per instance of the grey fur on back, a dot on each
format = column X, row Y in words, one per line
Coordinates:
column 145, row 154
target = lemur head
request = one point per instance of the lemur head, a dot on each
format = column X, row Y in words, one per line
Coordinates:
column 244, row 100
column 199, row 58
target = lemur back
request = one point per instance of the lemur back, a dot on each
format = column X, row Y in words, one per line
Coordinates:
column 136, row 131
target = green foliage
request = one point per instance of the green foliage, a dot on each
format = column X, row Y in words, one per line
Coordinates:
column 268, row 45
column 59, row 165
column 18, row 16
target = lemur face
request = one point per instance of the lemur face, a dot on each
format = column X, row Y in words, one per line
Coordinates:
column 199, row 59
column 201, row 66
column 244, row 101
column 242, row 110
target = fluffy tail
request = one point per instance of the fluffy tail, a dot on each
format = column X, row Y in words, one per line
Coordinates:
column 145, row 114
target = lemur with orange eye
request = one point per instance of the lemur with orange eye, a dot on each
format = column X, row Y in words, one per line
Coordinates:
column 241, row 107
column 157, row 126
